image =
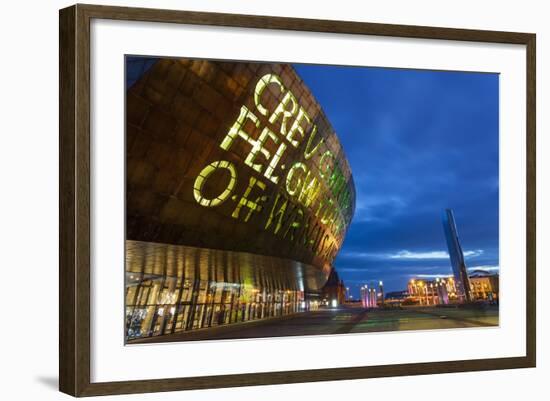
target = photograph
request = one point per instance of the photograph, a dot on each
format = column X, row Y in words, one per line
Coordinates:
column 274, row 199
column 266, row 201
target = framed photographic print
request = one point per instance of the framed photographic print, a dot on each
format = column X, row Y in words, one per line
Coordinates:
column 250, row 200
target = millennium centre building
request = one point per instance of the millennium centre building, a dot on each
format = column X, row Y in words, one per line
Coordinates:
column 238, row 195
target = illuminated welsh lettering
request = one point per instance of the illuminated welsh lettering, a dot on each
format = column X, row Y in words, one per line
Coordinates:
column 236, row 129
column 282, row 109
column 312, row 202
column 326, row 216
column 291, row 188
column 310, row 152
column 293, row 227
column 325, row 165
column 273, row 163
column 277, row 214
column 207, row 172
column 297, row 127
column 258, row 147
column 260, row 87
column 309, row 190
column 253, row 206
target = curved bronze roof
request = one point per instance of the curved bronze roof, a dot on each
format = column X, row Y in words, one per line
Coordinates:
column 237, row 157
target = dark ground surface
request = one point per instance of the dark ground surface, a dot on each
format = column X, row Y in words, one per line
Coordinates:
column 345, row 319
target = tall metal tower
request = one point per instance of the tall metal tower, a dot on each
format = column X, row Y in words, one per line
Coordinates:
column 462, row 283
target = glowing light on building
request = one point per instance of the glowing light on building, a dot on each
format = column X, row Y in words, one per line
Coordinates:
column 203, row 176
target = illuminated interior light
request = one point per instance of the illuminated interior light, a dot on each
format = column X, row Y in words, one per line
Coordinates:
column 282, row 109
column 205, row 173
column 260, row 87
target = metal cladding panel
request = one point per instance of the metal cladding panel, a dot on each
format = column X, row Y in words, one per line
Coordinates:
column 236, row 157
column 209, row 265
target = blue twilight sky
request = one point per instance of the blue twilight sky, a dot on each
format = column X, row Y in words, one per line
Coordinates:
column 418, row 142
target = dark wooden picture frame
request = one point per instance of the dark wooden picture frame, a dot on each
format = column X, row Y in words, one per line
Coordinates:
column 74, row 247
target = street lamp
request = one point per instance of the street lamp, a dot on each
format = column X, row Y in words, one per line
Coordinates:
column 426, row 292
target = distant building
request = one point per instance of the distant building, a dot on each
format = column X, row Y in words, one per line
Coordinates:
column 396, row 298
column 443, row 290
column 484, row 285
column 396, row 295
column 457, row 257
column 432, row 292
column 334, row 291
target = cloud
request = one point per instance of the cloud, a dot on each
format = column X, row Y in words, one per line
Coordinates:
column 408, row 255
column 473, row 254
column 419, row 255
column 484, row 267
column 425, row 141
column 470, row 269
column 431, row 254
column 360, row 269
column 371, row 207
column 433, row 275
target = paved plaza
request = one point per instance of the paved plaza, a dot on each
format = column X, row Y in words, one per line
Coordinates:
column 345, row 319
